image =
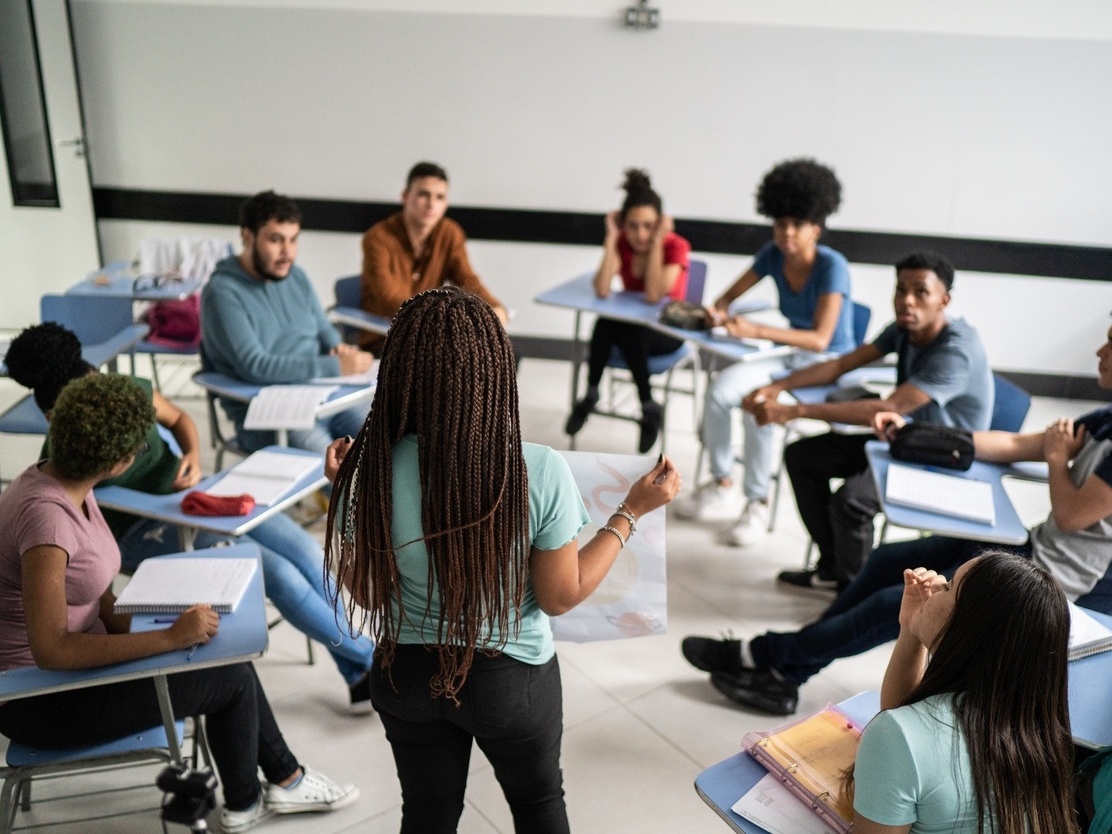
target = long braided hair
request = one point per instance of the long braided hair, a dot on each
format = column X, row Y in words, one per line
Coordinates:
column 447, row 377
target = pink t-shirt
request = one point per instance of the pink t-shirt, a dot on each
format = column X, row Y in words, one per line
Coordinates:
column 34, row 510
column 676, row 251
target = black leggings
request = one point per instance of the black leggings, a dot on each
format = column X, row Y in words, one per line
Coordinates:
column 635, row 343
column 240, row 727
column 512, row 710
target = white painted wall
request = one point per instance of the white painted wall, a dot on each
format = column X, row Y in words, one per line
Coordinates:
column 939, row 118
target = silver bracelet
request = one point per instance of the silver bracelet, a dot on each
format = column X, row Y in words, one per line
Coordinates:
column 630, row 517
column 614, row 530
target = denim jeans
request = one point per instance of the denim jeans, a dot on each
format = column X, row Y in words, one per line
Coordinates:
column 724, row 396
column 866, row 613
column 293, row 571
column 316, row 439
column 512, row 710
column 242, row 732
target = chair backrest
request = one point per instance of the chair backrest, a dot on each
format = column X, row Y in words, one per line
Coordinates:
column 696, row 281
column 93, row 319
column 349, row 291
column 1010, row 406
column 862, row 315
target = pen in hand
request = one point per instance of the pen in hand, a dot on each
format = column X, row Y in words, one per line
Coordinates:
column 664, row 473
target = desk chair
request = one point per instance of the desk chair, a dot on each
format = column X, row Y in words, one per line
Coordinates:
column 220, row 441
column 685, row 356
column 349, row 293
column 862, row 315
column 97, row 321
column 25, row 764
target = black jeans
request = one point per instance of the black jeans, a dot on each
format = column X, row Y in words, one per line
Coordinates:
column 841, row 523
column 635, row 343
column 512, row 710
column 241, row 729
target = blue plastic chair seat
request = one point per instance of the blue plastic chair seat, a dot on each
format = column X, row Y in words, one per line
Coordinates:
column 22, row 755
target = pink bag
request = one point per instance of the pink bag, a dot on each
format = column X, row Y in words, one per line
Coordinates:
column 176, row 324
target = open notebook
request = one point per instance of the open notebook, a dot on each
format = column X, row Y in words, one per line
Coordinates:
column 967, row 498
column 169, row 586
column 266, row 476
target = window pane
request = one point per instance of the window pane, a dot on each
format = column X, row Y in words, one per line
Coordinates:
column 23, row 109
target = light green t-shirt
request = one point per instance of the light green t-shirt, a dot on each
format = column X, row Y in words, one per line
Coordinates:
column 913, row 767
column 556, row 515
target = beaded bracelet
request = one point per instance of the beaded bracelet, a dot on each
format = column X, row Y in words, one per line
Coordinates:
column 615, row 531
column 630, row 517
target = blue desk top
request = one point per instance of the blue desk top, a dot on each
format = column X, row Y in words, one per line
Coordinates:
column 1090, row 695
column 117, row 280
column 236, row 389
column 1008, row 529
column 723, row 784
column 359, row 319
column 168, row 507
column 242, row 636
column 579, row 294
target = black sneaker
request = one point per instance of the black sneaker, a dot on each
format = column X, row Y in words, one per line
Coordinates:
column 579, row 414
column 361, row 696
column 809, row 580
column 651, row 418
column 758, row 689
column 709, row 655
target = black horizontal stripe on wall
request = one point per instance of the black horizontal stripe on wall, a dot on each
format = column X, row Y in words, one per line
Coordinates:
column 1090, row 263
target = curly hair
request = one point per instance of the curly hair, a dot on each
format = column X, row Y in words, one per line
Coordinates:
column 447, row 376
column 925, row 259
column 44, row 358
column 799, row 188
column 98, row 421
column 639, row 192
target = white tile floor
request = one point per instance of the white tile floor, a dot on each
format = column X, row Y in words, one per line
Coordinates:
column 639, row 722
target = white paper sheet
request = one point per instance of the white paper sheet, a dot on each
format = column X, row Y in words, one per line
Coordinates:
column 286, row 406
column 771, row 805
column 938, row 493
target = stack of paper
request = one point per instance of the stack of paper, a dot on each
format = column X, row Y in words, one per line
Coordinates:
column 1087, row 635
column 169, row 586
column 286, row 407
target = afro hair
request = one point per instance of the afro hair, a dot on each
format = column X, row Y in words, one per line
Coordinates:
column 799, row 188
column 44, row 358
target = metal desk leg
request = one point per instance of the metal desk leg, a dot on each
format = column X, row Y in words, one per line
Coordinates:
column 576, row 364
column 167, row 710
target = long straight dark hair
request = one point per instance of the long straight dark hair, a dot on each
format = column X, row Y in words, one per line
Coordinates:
column 448, row 377
column 1002, row 658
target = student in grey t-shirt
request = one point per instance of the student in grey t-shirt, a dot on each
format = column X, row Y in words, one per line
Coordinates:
column 942, row 376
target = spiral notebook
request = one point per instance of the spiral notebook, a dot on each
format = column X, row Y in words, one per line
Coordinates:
column 169, row 586
column 1088, row 636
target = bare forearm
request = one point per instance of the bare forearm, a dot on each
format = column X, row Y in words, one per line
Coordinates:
column 656, row 280
column 607, row 269
column 1007, row 447
column 810, row 340
column 905, row 670
column 89, row 651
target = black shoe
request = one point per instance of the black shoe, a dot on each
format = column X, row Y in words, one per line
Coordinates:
column 579, row 414
column 809, row 580
column 651, row 418
column 709, row 655
column 758, row 689
column 361, row 696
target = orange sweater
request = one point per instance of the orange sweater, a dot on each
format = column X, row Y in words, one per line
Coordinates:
column 391, row 273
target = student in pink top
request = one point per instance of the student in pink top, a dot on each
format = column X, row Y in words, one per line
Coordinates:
column 57, row 562
column 651, row 258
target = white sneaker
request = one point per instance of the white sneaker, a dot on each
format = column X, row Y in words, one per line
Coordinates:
column 712, row 503
column 315, row 792
column 752, row 526
column 233, row 822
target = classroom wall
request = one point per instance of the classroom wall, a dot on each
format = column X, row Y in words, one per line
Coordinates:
column 940, row 120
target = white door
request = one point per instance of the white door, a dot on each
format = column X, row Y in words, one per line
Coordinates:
column 48, row 238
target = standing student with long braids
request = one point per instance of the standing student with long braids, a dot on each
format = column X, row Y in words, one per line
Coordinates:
column 977, row 741
column 641, row 247
column 458, row 540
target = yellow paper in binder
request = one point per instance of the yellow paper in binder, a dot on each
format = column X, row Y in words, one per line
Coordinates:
column 810, row 756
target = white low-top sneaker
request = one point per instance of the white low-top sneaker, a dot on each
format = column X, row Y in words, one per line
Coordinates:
column 752, row 526
column 712, row 503
column 314, row 792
